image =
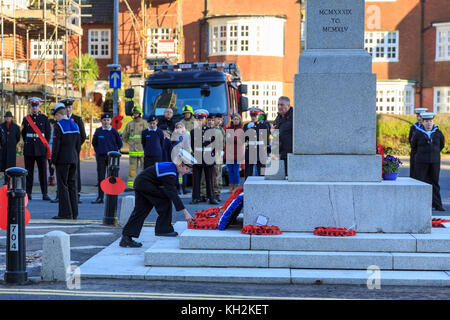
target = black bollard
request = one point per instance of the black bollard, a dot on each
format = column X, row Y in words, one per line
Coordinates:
column 15, row 236
column 110, row 216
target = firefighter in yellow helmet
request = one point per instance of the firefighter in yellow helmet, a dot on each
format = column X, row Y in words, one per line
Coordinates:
column 132, row 135
column 189, row 119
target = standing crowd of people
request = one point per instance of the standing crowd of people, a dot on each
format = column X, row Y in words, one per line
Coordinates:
column 167, row 151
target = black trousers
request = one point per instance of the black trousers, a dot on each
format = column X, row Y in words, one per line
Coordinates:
column 102, row 165
column 149, row 161
column 197, row 177
column 66, row 178
column 42, row 169
column 144, row 202
column 78, row 176
column 429, row 173
column 412, row 165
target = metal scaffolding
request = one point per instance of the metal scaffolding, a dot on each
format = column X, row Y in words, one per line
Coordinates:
column 38, row 38
column 160, row 33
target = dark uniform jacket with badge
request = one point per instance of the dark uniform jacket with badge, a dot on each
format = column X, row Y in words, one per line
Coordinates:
column 12, row 137
column 66, row 142
column 153, row 142
column 105, row 141
column 204, row 152
column 81, row 127
column 255, row 138
column 285, row 127
column 427, row 146
column 160, row 181
column 33, row 146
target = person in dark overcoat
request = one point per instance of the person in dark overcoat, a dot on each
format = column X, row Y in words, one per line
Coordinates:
column 12, row 137
column 412, row 129
column 427, row 143
column 285, row 125
column 66, row 143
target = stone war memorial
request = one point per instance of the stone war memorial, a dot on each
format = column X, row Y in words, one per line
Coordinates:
column 334, row 177
column 334, row 180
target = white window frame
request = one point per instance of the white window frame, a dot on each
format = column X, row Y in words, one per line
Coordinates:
column 160, row 33
column 264, row 95
column 382, row 45
column 262, row 36
column 441, row 103
column 99, row 42
column 52, row 49
column 13, row 72
column 442, row 41
column 395, row 98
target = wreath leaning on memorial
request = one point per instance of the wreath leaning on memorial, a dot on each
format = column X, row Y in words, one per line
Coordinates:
column 209, row 218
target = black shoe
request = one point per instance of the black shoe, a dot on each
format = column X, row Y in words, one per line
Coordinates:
column 203, row 199
column 98, row 200
column 60, row 218
column 127, row 241
column 195, row 201
column 56, row 200
column 218, row 198
column 167, row 234
column 46, row 197
column 440, row 209
column 29, row 196
column 212, row 201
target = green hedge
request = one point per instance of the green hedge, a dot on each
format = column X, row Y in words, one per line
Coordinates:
column 393, row 131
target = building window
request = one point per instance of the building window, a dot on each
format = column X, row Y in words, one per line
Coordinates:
column 442, row 42
column 264, row 95
column 382, row 45
column 395, row 98
column 161, row 42
column 13, row 72
column 442, row 100
column 246, row 36
column 46, row 50
column 100, row 43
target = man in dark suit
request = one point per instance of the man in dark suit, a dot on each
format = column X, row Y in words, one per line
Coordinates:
column 66, row 143
column 35, row 148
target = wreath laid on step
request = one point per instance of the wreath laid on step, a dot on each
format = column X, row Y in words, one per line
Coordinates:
column 437, row 223
column 260, row 230
column 231, row 212
column 334, row 232
column 209, row 218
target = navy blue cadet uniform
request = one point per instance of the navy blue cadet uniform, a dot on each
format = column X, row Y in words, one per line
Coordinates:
column 427, row 146
column 412, row 130
column 34, row 151
column 155, row 187
column 153, row 144
column 104, row 141
column 66, row 143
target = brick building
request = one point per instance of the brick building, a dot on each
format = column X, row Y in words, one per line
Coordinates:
column 410, row 44
column 263, row 39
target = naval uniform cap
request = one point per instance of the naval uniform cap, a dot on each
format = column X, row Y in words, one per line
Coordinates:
column 34, row 100
column 106, row 116
column 201, row 113
column 427, row 115
column 186, row 158
column 57, row 107
column 68, row 101
column 8, row 114
column 420, row 110
column 152, row 118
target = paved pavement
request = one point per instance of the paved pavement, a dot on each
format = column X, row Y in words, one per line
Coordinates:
column 89, row 237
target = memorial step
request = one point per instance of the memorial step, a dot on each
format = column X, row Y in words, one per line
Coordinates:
column 167, row 253
column 438, row 241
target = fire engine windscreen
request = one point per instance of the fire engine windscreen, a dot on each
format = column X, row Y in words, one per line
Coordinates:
column 176, row 96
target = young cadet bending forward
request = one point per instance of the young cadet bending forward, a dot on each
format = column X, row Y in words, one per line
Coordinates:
column 156, row 187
